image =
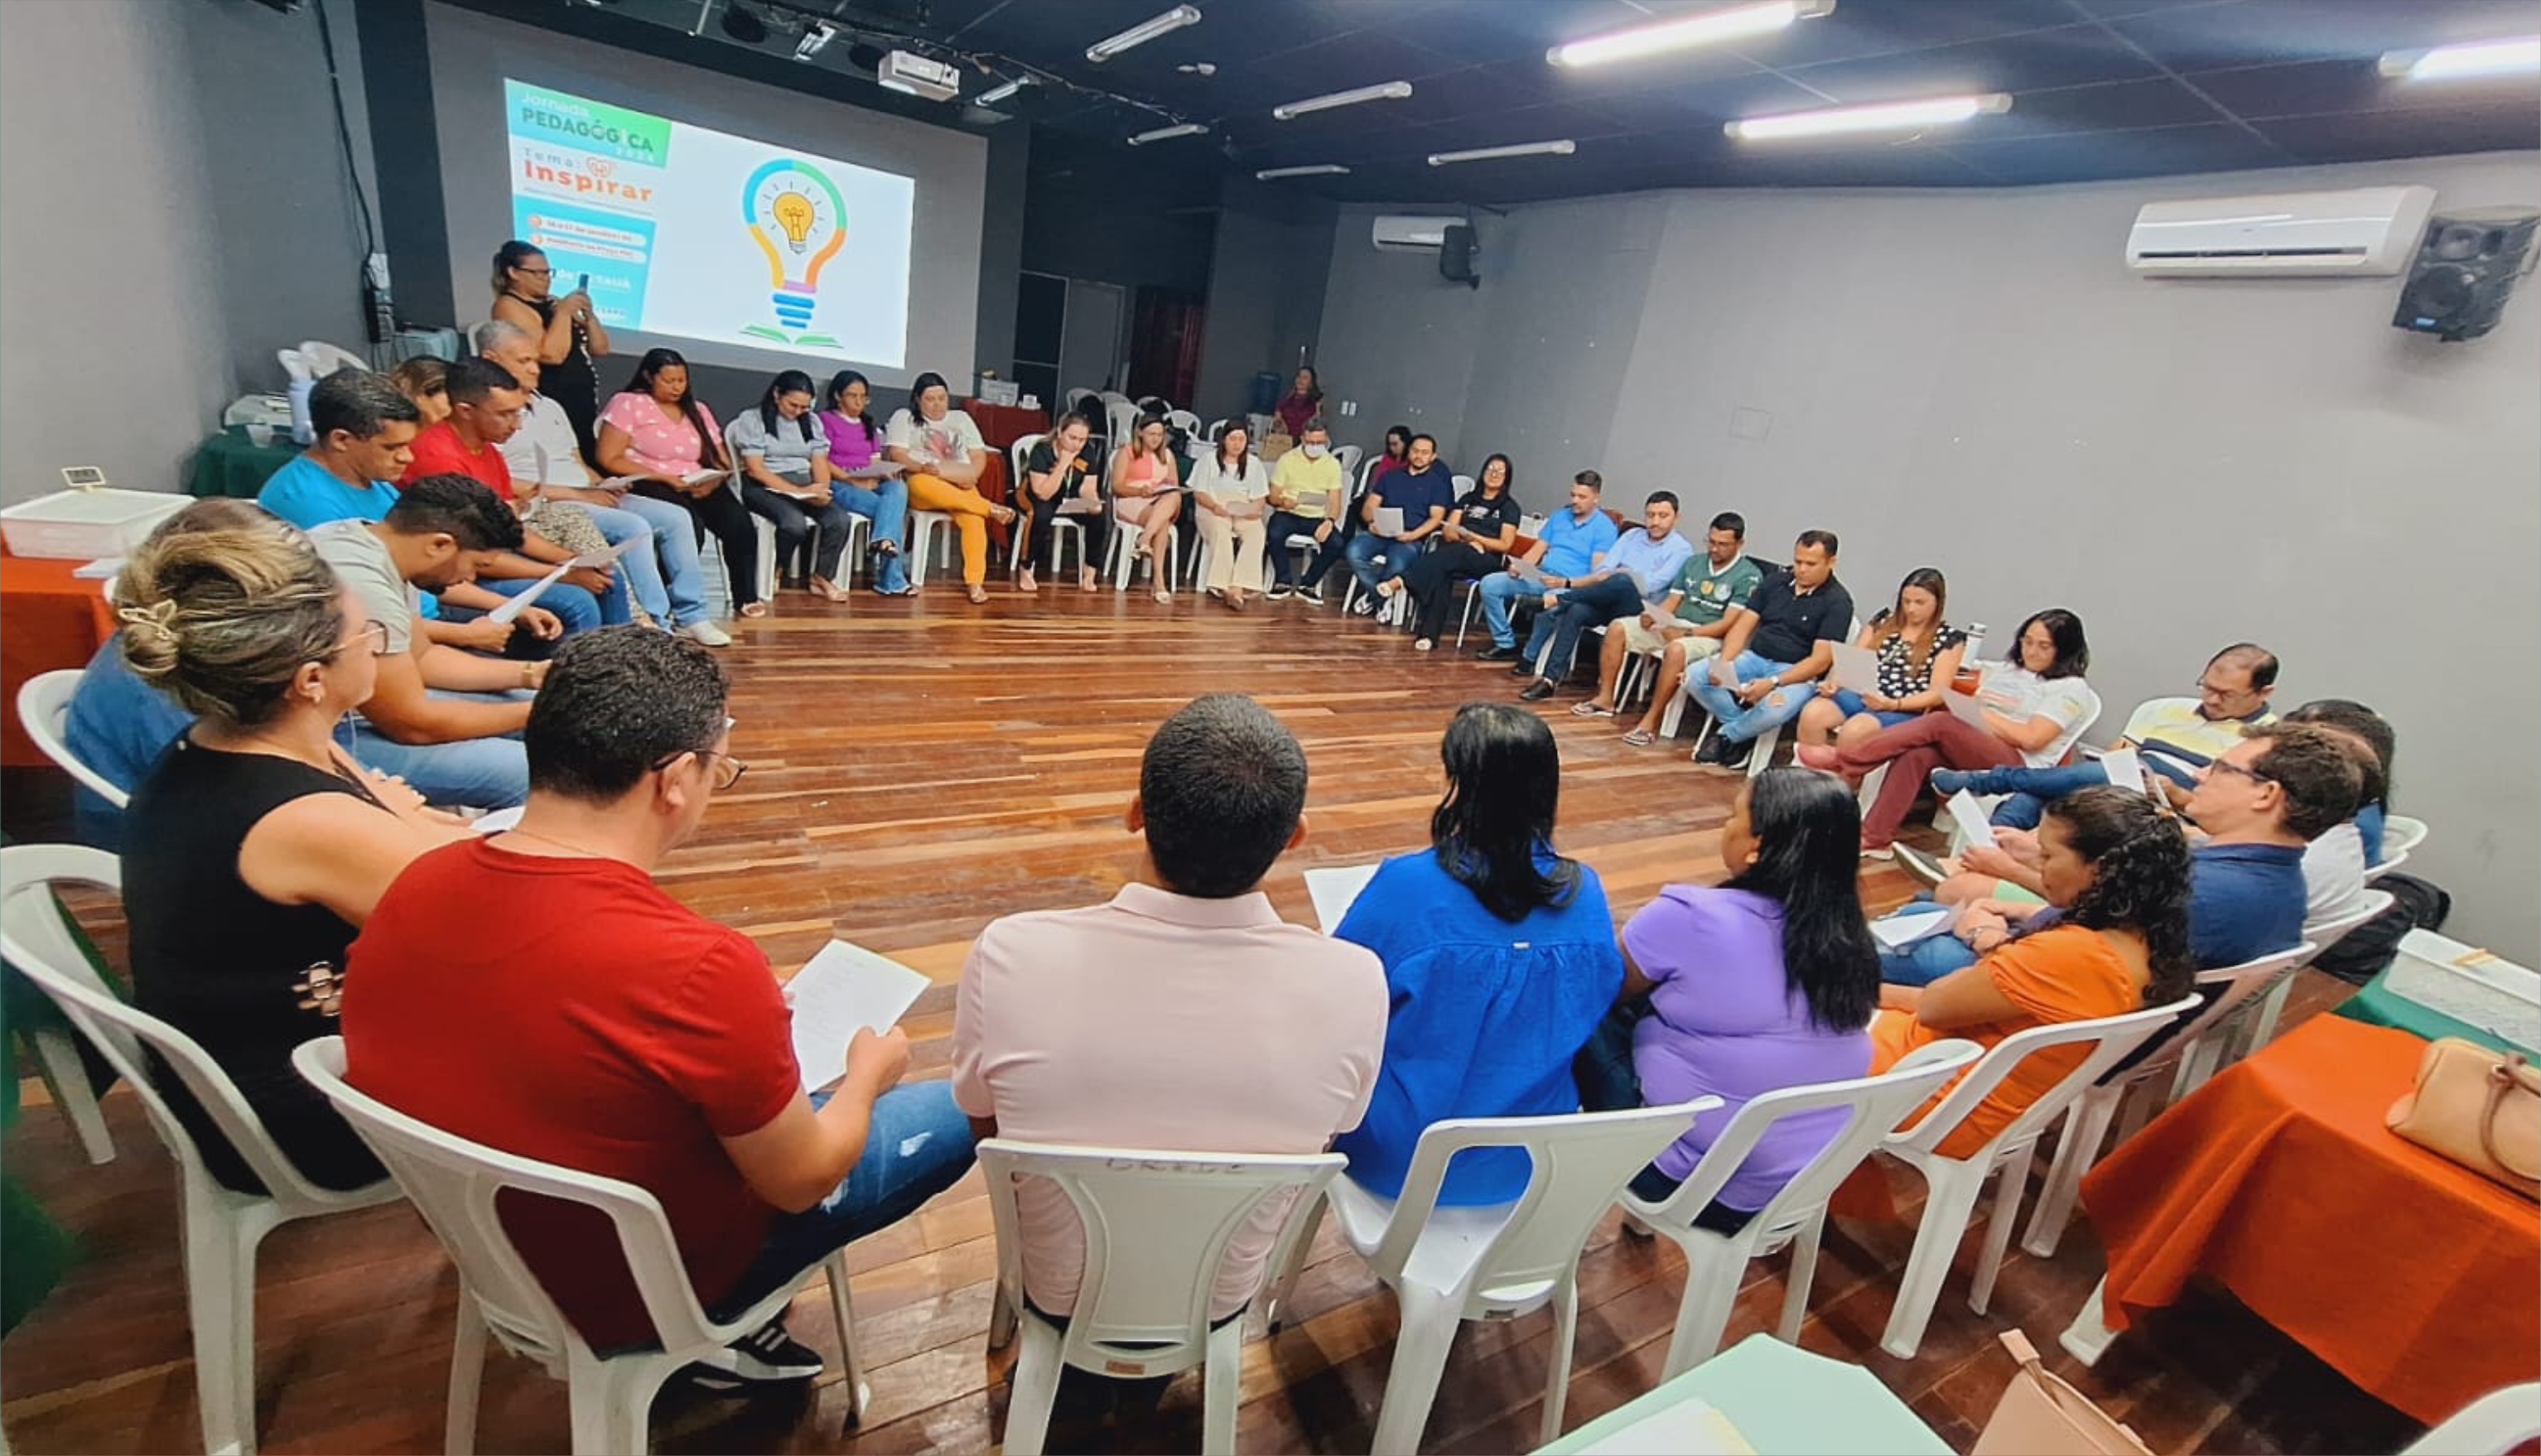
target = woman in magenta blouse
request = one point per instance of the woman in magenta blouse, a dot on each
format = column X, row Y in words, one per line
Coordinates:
column 861, row 480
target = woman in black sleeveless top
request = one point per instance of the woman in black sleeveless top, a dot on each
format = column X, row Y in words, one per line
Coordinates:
column 568, row 330
column 256, row 847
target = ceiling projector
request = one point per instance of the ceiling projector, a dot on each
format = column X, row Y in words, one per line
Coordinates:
column 917, row 76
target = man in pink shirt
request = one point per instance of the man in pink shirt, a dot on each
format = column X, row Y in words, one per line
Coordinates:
column 1185, row 1015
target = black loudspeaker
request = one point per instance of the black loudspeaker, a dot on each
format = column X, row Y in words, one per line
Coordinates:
column 1456, row 256
column 2464, row 270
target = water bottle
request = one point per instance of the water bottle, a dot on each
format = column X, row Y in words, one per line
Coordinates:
column 301, row 429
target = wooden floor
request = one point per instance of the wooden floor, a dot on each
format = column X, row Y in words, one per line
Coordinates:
column 916, row 769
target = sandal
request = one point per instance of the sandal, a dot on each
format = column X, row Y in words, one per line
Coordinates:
column 1087, row 581
column 1164, row 595
column 829, row 590
column 754, row 609
column 1026, row 583
column 1640, row 738
column 979, row 593
column 1590, row 709
column 1003, row 515
column 885, row 549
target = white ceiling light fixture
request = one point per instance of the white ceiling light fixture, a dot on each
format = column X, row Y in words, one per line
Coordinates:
column 1168, row 133
column 2520, row 56
column 996, row 93
column 816, row 36
column 1493, row 154
column 1143, row 32
column 1387, row 91
column 1939, row 110
column 1320, row 168
column 1708, row 29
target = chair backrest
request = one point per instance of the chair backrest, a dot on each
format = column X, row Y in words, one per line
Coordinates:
column 2107, row 1037
column 1463, row 484
column 1581, row 1162
column 1349, row 455
column 1016, row 454
column 1077, row 397
column 1874, row 1108
column 2498, row 1421
column 1184, row 421
column 37, row 940
column 323, row 358
column 1156, row 1229
column 2226, row 991
column 1120, row 422
column 454, row 1184
column 2400, row 834
column 44, row 711
column 2331, row 929
column 1113, row 397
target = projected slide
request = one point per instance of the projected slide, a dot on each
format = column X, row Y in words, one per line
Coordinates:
column 701, row 234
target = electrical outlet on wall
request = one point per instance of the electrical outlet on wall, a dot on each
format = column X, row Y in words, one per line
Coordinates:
column 1349, row 407
column 1747, row 423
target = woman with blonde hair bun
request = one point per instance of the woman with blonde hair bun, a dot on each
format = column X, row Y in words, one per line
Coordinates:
column 256, row 847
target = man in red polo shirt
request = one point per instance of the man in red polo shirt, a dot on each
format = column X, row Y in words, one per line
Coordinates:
column 485, row 405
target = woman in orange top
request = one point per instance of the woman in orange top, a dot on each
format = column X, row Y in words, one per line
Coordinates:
column 2114, row 940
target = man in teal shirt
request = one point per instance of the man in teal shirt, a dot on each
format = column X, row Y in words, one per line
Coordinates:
column 1686, row 629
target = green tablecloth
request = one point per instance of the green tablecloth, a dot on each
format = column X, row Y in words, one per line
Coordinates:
column 1786, row 1401
column 232, row 465
column 2378, row 1005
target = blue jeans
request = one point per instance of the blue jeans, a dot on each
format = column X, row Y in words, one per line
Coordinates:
column 1364, row 552
column 472, row 773
column 666, row 580
column 1927, row 960
column 1850, row 703
column 1737, row 722
column 574, row 606
column 917, row 1145
column 2031, row 790
column 1499, row 590
column 1581, row 607
column 887, row 506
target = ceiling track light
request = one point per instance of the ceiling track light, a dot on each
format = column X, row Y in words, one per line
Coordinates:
column 1141, row 33
column 816, row 36
column 1168, row 133
column 1493, row 154
column 1387, row 91
column 1885, row 117
column 2517, row 56
column 1320, row 168
column 1711, row 28
column 996, row 93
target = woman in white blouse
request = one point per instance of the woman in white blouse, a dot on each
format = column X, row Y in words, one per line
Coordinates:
column 1232, row 490
column 946, row 456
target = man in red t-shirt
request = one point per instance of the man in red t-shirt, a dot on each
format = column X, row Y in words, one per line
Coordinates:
column 485, row 405
column 591, row 1021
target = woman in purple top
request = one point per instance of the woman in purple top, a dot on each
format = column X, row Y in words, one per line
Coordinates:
column 1763, row 983
column 861, row 480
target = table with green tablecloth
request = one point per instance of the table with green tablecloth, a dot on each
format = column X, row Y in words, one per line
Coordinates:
column 1784, row 1400
column 2378, row 1005
column 232, row 465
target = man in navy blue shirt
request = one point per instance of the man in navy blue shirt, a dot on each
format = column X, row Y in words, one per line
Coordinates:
column 1424, row 491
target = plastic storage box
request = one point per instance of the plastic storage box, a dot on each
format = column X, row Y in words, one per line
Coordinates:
column 85, row 525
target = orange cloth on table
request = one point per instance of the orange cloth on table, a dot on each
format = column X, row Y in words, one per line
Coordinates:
column 2412, row 1277
column 2064, row 974
column 54, row 620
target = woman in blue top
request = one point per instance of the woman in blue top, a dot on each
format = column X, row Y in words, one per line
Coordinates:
column 1499, row 956
column 1763, row 983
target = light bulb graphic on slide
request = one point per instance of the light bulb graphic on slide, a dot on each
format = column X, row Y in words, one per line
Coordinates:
column 798, row 221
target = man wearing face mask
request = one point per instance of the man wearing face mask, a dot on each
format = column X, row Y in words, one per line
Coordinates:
column 1306, row 496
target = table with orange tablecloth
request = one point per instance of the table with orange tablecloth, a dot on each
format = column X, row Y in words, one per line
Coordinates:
column 1002, row 426
column 49, row 619
column 2415, row 1277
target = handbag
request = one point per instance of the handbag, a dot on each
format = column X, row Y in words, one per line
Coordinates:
column 2479, row 1108
column 2040, row 1414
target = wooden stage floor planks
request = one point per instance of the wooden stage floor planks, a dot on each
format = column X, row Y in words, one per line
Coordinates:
column 917, row 769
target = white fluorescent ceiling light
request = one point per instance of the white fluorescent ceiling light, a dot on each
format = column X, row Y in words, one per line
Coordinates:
column 996, row 93
column 1709, row 29
column 816, row 36
column 1388, row 91
column 2521, row 55
column 1168, row 133
column 1886, row 116
column 1141, row 33
column 1321, row 169
column 1493, row 154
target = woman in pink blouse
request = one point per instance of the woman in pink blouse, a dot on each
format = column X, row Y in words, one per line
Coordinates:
column 656, row 434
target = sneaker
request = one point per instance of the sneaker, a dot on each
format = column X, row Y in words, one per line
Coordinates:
column 1280, row 591
column 1523, row 666
column 1948, row 781
column 1310, row 596
column 1710, row 752
column 768, row 1356
column 1878, row 852
column 1733, row 756
column 1424, row 644
column 707, row 634
column 1537, row 691
column 1920, row 865
column 1497, row 654
column 1365, row 605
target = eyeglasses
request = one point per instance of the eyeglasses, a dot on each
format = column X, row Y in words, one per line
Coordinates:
column 2223, row 765
column 2208, row 689
column 534, row 273
column 726, row 769
column 375, row 634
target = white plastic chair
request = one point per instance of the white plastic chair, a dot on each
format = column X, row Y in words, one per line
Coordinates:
column 1156, row 1229
column 1716, row 1263
column 1063, row 526
column 2257, row 1027
column 1447, row 1265
column 1121, row 555
column 1076, row 399
column 1120, row 420
column 221, row 1228
column 1954, row 1183
column 454, row 1184
column 2149, row 1084
column 1349, row 455
column 2400, row 834
column 44, row 711
column 2491, row 1426
column 57, row 1057
column 1184, row 421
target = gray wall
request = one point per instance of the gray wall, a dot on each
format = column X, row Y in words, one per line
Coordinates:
column 1266, row 291
column 101, row 297
column 1974, row 381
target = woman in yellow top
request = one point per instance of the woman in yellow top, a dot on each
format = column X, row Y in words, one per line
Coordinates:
column 945, row 458
column 2114, row 940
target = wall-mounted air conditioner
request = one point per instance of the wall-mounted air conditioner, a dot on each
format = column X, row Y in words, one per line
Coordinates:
column 1413, row 233
column 2362, row 233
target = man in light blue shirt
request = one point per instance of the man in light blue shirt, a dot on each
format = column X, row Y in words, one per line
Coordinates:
column 1634, row 577
column 365, row 434
column 1572, row 543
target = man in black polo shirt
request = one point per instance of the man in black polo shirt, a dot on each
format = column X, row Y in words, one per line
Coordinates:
column 1779, row 645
